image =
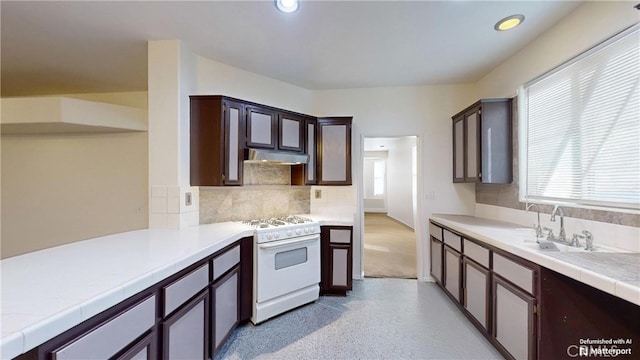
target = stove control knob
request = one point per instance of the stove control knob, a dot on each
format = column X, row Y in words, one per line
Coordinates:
column 306, row 230
column 298, row 231
column 276, row 235
column 269, row 236
column 289, row 233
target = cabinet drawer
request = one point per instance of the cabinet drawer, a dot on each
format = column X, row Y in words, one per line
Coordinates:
column 340, row 236
column 452, row 240
column 222, row 263
column 184, row 288
column 476, row 252
column 113, row 336
column 518, row 274
column 435, row 231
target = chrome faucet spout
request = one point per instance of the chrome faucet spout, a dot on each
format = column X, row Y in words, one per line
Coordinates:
column 562, row 235
column 536, row 227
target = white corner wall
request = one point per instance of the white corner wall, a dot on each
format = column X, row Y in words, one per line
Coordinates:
column 399, row 181
column 62, row 188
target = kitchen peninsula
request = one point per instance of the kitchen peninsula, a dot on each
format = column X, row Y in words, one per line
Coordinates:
column 99, row 274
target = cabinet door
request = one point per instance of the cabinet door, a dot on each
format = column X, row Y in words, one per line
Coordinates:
column 436, row 260
column 234, row 142
column 472, row 122
column 262, row 125
column 514, row 319
column 476, row 287
column 336, row 260
column 340, row 266
column 185, row 334
column 113, row 336
column 334, row 151
column 458, row 149
column 145, row 349
column 225, row 314
column 290, row 131
column 452, row 272
column 495, row 140
column 310, row 167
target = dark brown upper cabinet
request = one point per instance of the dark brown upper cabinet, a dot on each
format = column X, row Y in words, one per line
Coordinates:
column 262, row 127
column 482, row 150
column 217, row 140
column 334, row 151
column 307, row 174
column 291, row 132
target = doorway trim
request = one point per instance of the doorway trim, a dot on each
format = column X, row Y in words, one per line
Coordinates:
column 417, row 214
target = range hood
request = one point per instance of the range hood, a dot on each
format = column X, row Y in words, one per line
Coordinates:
column 275, row 157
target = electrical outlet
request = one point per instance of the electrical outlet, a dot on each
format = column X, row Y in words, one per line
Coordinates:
column 187, row 199
column 318, row 194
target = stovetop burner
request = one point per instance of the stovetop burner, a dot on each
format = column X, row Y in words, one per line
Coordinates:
column 277, row 221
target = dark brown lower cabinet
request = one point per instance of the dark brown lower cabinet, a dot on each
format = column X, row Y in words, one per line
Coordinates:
column 226, row 312
column 108, row 337
column 185, row 333
column 476, row 285
column 336, row 252
column 143, row 349
column 514, row 319
column 528, row 311
column 436, row 259
column 452, row 272
column 571, row 311
column 186, row 316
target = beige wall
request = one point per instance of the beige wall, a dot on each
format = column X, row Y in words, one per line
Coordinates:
column 588, row 25
column 61, row 188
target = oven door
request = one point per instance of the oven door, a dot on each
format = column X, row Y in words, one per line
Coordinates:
column 286, row 265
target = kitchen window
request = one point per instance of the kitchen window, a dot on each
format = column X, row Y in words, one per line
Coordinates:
column 375, row 177
column 580, row 129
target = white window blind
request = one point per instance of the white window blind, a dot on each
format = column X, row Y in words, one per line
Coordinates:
column 581, row 126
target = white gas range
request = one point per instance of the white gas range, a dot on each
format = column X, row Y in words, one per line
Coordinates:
column 286, row 269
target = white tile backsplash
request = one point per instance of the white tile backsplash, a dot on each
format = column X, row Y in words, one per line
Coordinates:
column 158, row 191
column 604, row 234
column 173, row 205
column 168, row 207
column 158, row 205
column 338, row 201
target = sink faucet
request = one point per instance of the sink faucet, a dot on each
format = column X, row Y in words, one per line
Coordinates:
column 550, row 236
column 575, row 240
column 589, row 240
column 537, row 227
column 562, row 236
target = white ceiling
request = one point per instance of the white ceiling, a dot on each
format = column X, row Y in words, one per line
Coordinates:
column 101, row 46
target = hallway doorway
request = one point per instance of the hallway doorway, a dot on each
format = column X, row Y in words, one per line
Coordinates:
column 389, row 248
column 389, row 206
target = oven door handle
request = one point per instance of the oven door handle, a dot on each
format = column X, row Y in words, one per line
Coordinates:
column 298, row 240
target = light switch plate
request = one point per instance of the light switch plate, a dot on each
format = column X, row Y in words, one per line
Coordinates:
column 318, row 194
column 187, row 199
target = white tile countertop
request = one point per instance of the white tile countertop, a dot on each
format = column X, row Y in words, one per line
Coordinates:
column 47, row 292
column 614, row 271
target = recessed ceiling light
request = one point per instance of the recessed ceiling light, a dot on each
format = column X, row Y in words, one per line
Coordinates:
column 287, row 6
column 509, row 22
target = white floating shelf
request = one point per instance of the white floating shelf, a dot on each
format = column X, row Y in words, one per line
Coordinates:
column 58, row 115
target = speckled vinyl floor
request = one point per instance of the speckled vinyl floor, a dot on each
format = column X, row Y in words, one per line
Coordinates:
column 379, row 319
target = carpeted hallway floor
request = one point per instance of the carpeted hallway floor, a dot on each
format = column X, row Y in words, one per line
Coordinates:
column 389, row 248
